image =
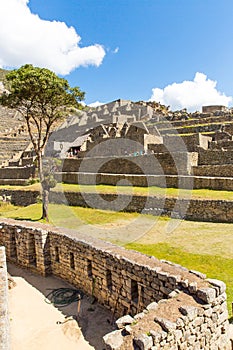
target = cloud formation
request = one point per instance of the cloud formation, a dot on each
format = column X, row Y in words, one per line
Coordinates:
column 96, row 104
column 191, row 94
column 26, row 38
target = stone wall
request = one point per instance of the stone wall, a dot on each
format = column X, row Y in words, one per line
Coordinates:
column 191, row 142
column 224, row 170
column 214, row 108
column 206, row 177
column 127, row 282
column 215, row 157
column 21, row 197
column 160, row 163
column 17, row 172
column 190, row 209
column 4, row 314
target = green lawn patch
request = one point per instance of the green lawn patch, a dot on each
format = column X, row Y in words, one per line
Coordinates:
column 134, row 190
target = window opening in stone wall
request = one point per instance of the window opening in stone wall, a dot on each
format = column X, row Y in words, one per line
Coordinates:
column 13, row 250
column 109, row 279
column 89, row 268
column 134, row 291
column 32, row 249
column 142, row 294
column 57, row 257
column 72, row 264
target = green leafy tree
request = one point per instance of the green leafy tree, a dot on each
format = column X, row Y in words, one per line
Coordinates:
column 43, row 99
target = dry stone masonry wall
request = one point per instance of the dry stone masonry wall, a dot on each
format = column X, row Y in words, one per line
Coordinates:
column 4, row 315
column 168, row 306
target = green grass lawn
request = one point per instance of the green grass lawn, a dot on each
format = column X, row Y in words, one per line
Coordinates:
column 214, row 266
column 141, row 191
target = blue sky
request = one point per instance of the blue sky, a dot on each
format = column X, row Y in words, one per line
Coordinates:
column 134, row 46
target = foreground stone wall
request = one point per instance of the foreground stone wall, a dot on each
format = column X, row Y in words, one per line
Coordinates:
column 187, row 309
column 4, row 315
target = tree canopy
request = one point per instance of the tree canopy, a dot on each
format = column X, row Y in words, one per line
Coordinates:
column 43, row 99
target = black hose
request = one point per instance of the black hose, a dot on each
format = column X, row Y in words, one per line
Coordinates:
column 63, row 296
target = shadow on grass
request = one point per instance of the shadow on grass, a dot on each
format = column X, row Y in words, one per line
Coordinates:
column 27, row 219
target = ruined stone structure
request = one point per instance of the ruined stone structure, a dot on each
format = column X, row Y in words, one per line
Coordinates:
column 115, row 119
column 170, row 306
column 213, row 109
column 123, row 128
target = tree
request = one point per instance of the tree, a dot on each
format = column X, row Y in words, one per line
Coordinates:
column 43, row 99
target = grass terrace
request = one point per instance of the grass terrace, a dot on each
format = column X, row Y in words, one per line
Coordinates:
column 140, row 191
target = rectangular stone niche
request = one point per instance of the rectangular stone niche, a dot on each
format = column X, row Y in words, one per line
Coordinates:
column 134, row 291
column 89, row 268
column 109, row 279
column 13, row 250
column 57, row 256
column 32, row 249
column 72, row 263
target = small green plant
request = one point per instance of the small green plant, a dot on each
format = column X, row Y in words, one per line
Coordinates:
column 33, row 181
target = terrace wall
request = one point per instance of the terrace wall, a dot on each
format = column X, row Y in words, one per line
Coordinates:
column 160, row 163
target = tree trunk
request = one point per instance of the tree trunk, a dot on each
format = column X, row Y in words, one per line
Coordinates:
column 45, row 202
column 45, row 190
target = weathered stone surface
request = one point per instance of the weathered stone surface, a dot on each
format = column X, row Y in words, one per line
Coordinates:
column 144, row 342
column 219, row 284
column 189, row 311
column 206, row 294
column 152, row 306
column 113, row 340
column 199, row 274
column 167, row 325
column 124, row 320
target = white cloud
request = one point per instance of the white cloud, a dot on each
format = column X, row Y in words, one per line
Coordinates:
column 191, row 94
column 95, row 104
column 26, row 38
column 116, row 50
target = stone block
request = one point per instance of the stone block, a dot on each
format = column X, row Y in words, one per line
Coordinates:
column 113, row 340
column 143, row 341
column 166, row 325
column 189, row 311
column 124, row 320
column 221, row 286
column 207, row 295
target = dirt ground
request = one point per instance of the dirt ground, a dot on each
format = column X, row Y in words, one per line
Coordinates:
column 36, row 324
